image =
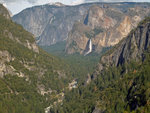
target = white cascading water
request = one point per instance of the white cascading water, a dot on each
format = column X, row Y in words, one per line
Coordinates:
column 90, row 48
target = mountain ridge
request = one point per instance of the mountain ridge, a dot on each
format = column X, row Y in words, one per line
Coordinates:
column 57, row 25
column 127, row 52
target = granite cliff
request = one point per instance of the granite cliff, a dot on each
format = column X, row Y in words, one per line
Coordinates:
column 105, row 23
column 50, row 23
column 129, row 49
column 105, row 26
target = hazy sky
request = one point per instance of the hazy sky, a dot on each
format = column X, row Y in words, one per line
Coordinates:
column 16, row 6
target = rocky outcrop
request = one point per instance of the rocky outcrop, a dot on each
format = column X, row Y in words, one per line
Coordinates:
column 5, row 68
column 96, row 110
column 32, row 46
column 5, row 58
column 29, row 42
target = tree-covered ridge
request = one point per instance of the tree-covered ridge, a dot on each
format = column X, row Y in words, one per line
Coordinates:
column 122, row 88
column 29, row 77
column 113, row 92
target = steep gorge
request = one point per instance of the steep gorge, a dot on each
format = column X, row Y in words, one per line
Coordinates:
column 120, row 83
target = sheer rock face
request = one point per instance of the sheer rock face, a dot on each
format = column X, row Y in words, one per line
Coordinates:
column 96, row 18
column 50, row 23
column 78, row 40
column 130, row 48
column 34, row 19
column 106, row 23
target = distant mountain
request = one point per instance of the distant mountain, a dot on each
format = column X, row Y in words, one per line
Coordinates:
column 105, row 23
column 120, row 83
column 50, row 23
column 105, row 26
column 29, row 77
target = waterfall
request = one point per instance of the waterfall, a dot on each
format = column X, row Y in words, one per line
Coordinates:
column 89, row 48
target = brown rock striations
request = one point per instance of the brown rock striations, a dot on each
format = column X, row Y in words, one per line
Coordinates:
column 108, row 26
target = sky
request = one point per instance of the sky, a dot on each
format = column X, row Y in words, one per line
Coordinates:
column 15, row 6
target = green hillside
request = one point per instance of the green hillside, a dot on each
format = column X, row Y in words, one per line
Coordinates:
column 26, row 70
